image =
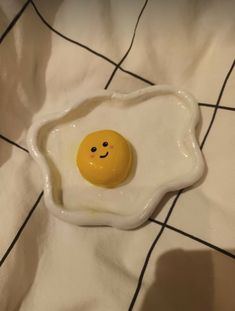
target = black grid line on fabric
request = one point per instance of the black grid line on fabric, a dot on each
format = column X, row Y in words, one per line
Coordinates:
column 20, row 229
column 9, row 141
column 129, row 49
column 3, row 36
column 195, row 238
column 218, row 107
column 149, row 253
column 88, row 48
column 154, row 243
column 217, row 104
column 135, row 75
column 41, row 194
column 13, row 22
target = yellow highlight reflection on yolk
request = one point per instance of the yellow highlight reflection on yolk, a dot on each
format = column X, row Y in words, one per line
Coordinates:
column 104, row 158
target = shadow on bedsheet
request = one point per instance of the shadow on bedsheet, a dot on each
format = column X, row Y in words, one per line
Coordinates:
column 192, row 281
column 25, row 53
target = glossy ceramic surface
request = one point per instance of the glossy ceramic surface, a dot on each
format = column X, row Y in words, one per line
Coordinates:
column 104, row 158
column 159, row 123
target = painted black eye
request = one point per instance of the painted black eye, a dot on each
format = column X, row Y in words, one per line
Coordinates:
column 93, row 149
column 105, row 144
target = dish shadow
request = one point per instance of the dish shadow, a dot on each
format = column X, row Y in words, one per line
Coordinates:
column 162, row 203
column 197, row 133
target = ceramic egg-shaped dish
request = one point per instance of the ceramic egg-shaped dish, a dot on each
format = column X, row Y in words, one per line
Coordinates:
column 91, row 178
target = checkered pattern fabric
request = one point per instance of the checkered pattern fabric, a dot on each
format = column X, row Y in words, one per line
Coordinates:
column 184, row 257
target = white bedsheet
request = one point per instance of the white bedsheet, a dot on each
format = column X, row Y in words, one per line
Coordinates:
column 54, row 266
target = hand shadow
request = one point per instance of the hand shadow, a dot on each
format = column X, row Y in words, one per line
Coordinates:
column 191, row 281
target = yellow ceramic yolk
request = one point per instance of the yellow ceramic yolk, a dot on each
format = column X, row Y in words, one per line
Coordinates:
column 104, row 158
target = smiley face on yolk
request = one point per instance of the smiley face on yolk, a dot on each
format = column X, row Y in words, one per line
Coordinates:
column 104, row 158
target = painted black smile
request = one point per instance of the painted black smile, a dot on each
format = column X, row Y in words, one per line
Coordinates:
column 104, row 156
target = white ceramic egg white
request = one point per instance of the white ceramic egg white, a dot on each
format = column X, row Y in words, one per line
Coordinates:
column 158, row 121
